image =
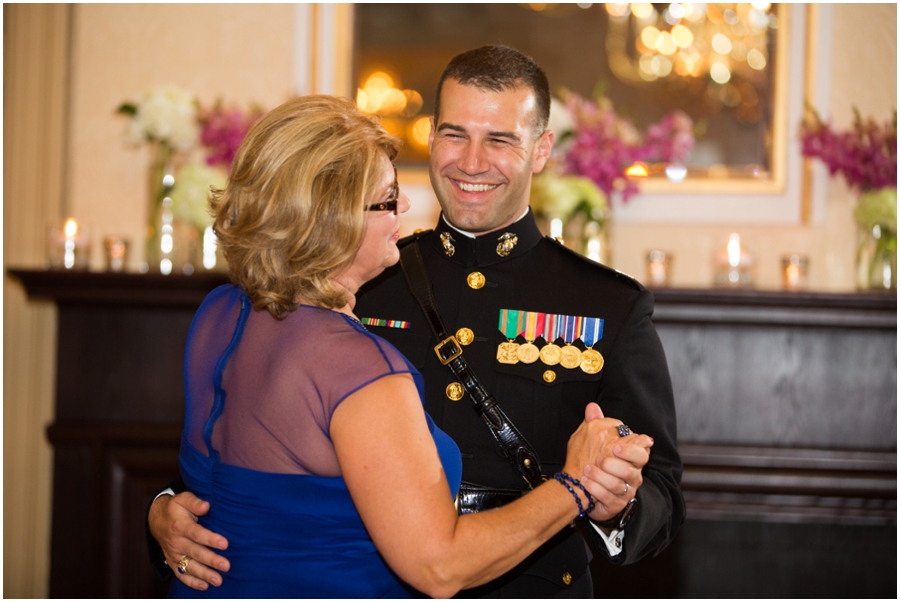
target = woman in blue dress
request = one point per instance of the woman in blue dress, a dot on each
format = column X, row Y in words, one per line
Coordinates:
column 305, row 431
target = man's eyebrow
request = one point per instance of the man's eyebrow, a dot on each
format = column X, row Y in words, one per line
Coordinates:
column 458, row 128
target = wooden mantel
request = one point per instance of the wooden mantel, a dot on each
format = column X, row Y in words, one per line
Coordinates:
column 787, row 410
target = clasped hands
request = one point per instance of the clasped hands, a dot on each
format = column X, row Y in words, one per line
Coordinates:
column 615, row 476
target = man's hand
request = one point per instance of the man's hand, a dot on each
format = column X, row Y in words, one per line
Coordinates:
column 173, row 523
column 616, row 477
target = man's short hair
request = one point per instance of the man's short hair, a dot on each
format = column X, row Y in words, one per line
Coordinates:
column 499, row 68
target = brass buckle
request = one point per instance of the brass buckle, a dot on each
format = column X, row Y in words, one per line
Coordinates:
column 454, row 354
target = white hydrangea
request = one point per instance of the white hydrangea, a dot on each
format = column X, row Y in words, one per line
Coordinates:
column 190, row 194
column 166, row 114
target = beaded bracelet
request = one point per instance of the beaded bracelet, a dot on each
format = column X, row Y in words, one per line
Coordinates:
column 563, row 477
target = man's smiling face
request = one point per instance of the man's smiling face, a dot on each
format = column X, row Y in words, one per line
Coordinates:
column 484, row 151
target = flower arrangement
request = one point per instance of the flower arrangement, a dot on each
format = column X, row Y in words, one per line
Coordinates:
column 866, row 156
column 178, row 128
column 597, row 143
column 223, row 130
column 166, row 115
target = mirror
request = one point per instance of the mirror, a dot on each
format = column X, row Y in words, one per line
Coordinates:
column 724, row 65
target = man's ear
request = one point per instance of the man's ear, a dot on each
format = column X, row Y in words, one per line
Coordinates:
column 542, row 151
column 431, row 133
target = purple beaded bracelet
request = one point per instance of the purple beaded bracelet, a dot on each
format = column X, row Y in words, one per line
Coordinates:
column 565, row 479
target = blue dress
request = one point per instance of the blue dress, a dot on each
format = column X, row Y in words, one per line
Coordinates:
column 260, row 396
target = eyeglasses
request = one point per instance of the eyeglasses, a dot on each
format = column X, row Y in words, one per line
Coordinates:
column 391, row 203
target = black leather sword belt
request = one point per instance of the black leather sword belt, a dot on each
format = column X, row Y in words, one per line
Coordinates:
column 472, row 497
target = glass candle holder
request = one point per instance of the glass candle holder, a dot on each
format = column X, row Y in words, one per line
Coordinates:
column 794, row 272
column 68, row 246
column 659, row 265
column 734, row 265
column 116, row 253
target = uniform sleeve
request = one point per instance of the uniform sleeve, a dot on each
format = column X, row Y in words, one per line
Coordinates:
column 637, row 390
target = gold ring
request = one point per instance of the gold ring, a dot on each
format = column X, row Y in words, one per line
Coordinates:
column 183, row 565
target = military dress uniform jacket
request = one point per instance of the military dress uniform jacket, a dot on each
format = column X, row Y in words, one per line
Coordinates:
column 546, row 403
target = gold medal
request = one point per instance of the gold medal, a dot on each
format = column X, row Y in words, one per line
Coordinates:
column 591, row 361
column 550, row 354
column 570, row 357
column 506, row 353
column 527, row 353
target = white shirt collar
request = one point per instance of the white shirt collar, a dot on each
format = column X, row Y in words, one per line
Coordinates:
column 469, row 234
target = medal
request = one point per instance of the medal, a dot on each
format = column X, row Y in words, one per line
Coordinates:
column 550, row 353
column 510, row 326
column 533, row 324
column 570, row 357
column 591, row 332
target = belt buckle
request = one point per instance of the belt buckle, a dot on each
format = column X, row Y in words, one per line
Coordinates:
column 454, row 353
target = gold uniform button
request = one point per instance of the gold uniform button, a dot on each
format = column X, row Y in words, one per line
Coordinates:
column 549, row 376
column 476, row 280
column 455, row 391
column 465, row 336
column 567, row 577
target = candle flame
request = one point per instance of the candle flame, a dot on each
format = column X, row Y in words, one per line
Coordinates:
column 734, row 250
column 71, row 228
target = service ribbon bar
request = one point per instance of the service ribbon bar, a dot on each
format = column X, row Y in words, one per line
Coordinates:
column 510, row 323
column 385, row 323
column 591, row 331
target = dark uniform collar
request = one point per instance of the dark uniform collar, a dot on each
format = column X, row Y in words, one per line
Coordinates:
column 482, row 250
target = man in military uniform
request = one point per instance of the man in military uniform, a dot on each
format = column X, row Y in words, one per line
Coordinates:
column 545, row 330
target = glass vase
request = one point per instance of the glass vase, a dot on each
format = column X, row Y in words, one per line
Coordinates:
column 172, row 246
column 876, row 258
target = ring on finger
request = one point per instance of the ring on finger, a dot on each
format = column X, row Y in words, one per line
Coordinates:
column 627, row 487
column 623, row 429
column 183, row 565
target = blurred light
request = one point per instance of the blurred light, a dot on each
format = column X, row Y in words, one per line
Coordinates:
column 420, row 130
column 676, row 173
column 642, row 10
column 682, row 36
column 665, row 43
column 664, row 66
column 761, row 6
column 585, row 5
column 695, row 11
column 537, row 7
column 556, row 228
column 676, row 10
column 731, row 17
column 71, row 228
column 168, row 180
column 379, row 81
column 649, row 36
column 638, row 170
column 734, row 250
column 756, row 59
column 165, row 266
column 719, row 73
column 166, row 243
column 618, row 9
column 721, row 43
column 209, row 248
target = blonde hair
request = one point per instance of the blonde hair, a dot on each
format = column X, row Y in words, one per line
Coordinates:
column 293, row 208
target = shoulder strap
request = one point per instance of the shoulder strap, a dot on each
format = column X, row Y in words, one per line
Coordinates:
column 516, row 448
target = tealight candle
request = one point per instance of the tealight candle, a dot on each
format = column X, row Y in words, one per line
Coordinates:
column 658, row 263
column 69, row 246
column 794, row 272
column 734, row 265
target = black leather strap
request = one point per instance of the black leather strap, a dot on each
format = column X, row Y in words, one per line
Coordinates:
column 517, row 449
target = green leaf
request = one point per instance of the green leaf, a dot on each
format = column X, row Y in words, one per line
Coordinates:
column 127, row 109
